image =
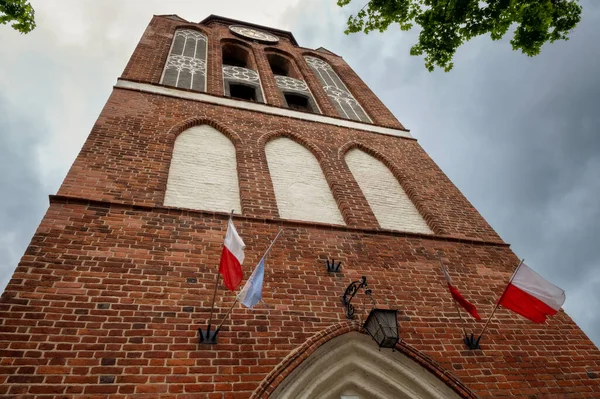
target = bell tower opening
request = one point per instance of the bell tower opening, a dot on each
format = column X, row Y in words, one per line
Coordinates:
column 242, row 92
column 235, row 56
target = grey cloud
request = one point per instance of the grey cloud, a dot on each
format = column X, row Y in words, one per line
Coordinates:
column 23, row 200
column 517, row 135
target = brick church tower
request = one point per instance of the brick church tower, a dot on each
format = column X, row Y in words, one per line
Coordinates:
column 219, row 115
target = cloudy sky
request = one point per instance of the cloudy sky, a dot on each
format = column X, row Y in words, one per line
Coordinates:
column 519, row 136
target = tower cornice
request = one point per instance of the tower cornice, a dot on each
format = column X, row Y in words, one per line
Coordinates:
column 258, row 107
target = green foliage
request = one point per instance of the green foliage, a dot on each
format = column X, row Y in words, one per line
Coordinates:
column 446, row 24
column 20, row 12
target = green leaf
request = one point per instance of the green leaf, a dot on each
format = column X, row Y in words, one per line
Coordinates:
column 446, row 24
column 20, row 13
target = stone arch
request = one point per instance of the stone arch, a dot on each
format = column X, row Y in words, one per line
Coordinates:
column 331, row 361
column 301, row 187
column 411, row 199
column 200, row 155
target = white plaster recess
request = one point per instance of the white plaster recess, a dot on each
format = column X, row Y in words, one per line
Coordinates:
column 389, row 202
column 352, row 365
column 301, row 191
column 203, row 172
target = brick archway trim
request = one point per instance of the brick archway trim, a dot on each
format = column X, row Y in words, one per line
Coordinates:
column 295, row 358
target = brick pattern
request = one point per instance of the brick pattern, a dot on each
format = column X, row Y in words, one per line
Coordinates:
column 103, row 294
column 127, row 155
column 148, row 60
column 106, row 301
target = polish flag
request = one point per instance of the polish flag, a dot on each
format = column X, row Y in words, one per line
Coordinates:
column 468, row 306
column 232, row 258
column 531, row 296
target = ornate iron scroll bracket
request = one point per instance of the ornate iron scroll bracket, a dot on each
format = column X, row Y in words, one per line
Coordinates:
column 349, row 294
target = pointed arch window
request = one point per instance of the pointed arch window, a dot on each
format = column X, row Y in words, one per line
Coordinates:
column 301, row 190
column 388, row 201
column 186, row 65
column 339, row 95
column 203, row 172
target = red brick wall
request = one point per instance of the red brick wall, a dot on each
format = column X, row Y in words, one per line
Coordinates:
column 101, row 304
column 127, row 155
column 109, row 294
column 148, row 60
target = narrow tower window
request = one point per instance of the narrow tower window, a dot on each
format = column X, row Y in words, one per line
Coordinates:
column 239, row 80
column 186, row 65
column 279, row 65
column 242, row 92
column 235, row 56
column 339, row 95
column 298, row 102
column 293, row 89
column 390, row 204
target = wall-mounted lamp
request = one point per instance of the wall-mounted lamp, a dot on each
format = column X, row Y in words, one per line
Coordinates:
column 381, row 324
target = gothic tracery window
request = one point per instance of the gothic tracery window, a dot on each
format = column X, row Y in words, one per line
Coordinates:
column 186, row 65
column 339, row 95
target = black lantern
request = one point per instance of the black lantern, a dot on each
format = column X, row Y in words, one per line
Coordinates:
column 382, row 326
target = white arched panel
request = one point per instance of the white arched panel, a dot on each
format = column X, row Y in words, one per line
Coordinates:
column 301, row 190
column 203, row 172
column 390, row 204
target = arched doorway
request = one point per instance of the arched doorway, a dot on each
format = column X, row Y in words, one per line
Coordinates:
column 351, row 366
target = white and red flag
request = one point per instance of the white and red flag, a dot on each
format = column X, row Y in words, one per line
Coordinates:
column 468, row 306
column 232, row 258
column 531, row 296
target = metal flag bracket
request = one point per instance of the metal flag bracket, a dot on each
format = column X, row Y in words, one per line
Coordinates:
column 472, row 342
column 208, row 337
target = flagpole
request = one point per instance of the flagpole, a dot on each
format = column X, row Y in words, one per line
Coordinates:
column 226, row 314
column 273, row 242
column 236, row 298
column 499, row 300
column 453, row 300
column 212, row 306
